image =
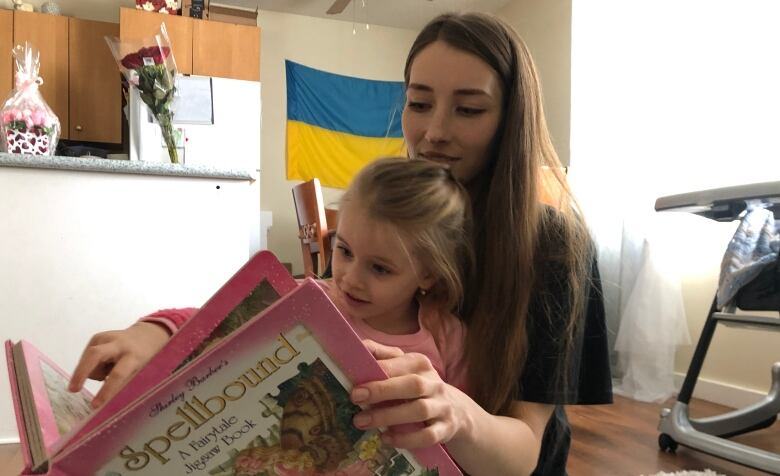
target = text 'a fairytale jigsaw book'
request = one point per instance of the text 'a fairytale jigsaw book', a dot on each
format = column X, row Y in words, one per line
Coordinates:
column 255, row 384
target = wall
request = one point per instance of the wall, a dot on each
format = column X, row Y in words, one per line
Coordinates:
column 673, row 96
column 85, row 252
column 378, row 53
column 545, row 26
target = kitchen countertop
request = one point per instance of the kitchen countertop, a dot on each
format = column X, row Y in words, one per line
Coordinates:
column 85, row 164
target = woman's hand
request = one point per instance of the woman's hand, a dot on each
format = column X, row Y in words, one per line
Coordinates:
column 418, row 396
column 480, row 443
column 115, row 356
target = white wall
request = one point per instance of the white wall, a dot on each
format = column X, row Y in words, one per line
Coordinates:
column 545, row 26
column 378, row 53
column 84, row 252
column 671, row 96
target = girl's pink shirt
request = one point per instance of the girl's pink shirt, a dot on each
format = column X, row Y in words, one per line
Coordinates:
column 440, row 337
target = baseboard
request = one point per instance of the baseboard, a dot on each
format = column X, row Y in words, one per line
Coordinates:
column 9, row 441
column 721, row 393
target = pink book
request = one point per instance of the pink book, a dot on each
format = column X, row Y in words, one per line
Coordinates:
column 45, row 409
column 272, row 398
column 269, row 399
column 260, row 282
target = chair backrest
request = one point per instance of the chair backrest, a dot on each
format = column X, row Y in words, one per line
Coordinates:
column 550, row 189
column 312, row 225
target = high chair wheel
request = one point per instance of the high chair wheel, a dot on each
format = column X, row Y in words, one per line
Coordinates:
column 667, row 443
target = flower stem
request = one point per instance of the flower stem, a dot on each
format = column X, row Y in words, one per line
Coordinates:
column 169, row 137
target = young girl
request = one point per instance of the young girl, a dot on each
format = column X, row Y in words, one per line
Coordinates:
column 400, row 252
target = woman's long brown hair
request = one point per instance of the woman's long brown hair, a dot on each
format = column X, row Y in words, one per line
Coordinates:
column 512, row 230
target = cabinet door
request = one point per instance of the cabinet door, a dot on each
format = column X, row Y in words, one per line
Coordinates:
column 138, row 24
column 6, row 61
column 226, row 50
column 49, row 34
column 95, row 88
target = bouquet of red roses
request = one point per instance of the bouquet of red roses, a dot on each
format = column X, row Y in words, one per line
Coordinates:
column 149, row 66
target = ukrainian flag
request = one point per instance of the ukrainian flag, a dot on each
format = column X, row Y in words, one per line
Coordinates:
column 337, row 124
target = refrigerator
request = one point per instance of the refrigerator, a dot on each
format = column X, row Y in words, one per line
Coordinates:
column 218, row 121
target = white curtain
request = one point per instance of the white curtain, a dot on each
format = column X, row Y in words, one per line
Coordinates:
column 668, row 96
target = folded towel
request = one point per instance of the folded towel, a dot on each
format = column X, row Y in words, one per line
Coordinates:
column 755, row 245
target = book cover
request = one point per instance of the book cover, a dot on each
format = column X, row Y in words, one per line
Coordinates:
column 270, row 399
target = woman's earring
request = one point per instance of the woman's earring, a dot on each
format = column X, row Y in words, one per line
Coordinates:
column 423, row 292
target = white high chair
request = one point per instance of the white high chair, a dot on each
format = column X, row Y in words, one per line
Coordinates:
column 710, row 435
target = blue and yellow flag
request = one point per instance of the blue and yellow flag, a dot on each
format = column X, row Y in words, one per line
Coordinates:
column 337, row 124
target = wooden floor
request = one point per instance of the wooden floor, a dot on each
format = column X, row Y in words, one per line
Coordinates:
column 10, row 460
column 619, row 439
column 622, row 439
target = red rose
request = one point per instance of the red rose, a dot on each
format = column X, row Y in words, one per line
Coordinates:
column 159, row 54
column 156, row 53
column 132, row 61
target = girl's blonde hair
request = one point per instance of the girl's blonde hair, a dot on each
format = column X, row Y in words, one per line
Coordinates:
column 430, row 211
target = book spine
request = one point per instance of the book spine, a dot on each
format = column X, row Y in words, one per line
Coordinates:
column 25, row 445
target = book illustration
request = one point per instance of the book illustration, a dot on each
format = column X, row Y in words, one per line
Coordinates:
column 315, row 435
column 278, row 407
column 69, row 408
column 262, row 296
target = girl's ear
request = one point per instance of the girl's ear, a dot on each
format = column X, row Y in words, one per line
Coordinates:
column 427, row 281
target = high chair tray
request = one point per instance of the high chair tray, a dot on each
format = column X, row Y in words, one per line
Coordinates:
column 722, row 204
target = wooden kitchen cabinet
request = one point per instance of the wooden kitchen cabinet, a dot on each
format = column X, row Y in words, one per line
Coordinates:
column 6, row 61
column 138, row 24
column 49, row 34
column 95, row 87
column 226, row 50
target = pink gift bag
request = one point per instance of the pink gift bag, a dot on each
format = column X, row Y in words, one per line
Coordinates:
column 27, row 124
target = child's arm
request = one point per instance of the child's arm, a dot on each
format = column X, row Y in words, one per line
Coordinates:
column 115, row 356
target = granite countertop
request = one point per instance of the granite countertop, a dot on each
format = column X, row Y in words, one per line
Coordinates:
column 85, row 164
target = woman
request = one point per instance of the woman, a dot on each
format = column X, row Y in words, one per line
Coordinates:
column 474, row 102
column 536, row 338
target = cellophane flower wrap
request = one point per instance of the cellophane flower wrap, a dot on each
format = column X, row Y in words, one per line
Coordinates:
column 27, row 124
column 148, row 65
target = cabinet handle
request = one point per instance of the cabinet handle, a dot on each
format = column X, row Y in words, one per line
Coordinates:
column 79, row 128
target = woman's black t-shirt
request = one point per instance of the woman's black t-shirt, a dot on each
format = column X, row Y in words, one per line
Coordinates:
column 589, row 379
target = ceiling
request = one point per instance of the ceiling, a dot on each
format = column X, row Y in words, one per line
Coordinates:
column 410, row 14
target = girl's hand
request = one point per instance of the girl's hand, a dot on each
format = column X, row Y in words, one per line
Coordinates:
column 414, row 394
column 115, row 356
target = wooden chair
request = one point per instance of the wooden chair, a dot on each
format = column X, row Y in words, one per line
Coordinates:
column 312, row 226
